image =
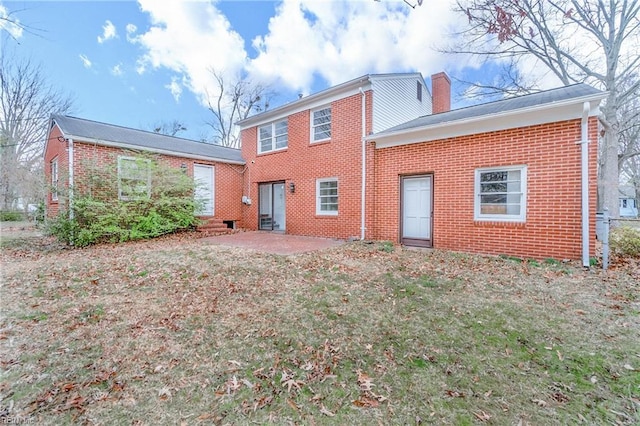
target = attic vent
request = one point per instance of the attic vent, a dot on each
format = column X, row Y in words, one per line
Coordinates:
column 419, row 91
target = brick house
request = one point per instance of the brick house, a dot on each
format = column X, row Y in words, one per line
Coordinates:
column 75, row 145
column 380, row 157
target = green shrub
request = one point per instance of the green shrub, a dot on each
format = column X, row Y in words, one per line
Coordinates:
column 101, row 217
column 625, row 242
column 11, row 216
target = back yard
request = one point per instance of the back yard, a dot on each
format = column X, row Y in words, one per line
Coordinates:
column 172, row 331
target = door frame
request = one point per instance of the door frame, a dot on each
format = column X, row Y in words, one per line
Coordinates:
column 284, row 206
column 415, row 242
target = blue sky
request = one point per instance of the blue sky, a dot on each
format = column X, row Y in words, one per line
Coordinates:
column 135, row 63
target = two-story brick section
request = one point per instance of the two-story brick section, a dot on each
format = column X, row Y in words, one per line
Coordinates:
column 380, row 157
column 369, row 159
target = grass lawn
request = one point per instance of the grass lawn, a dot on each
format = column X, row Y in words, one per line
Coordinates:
column 172, row 332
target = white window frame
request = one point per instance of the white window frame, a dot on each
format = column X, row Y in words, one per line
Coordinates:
column 274, row 136
column 54, row 179
column 319, row 197
column 314, row 126
column 146, row 179
column 499, row 217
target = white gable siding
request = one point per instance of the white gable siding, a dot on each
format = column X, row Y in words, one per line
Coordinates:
column 395, row 101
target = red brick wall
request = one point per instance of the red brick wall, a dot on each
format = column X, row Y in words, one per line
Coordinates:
column 228, row 177
column 303, row 162
column 553, row 223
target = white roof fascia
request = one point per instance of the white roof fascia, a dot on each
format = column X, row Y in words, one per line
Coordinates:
column 81, row 139
column 392, row 76
column 531, row 116
column 324, row 97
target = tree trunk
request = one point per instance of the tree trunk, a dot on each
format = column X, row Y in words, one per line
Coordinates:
column 608, row 184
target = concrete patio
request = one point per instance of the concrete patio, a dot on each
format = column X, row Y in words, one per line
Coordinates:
column 273, row 242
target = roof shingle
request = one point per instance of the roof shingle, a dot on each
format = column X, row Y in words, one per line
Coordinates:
column 110, row 134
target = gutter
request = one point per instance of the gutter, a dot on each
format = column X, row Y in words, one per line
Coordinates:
column 584, row 163
column 363, row 189
column 71, row 213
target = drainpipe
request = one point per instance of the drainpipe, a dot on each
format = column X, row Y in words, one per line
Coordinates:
column 71, row 215
column 364, row 167
column 584, row 161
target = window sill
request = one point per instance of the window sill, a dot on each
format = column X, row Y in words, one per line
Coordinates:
column 500, row 223
column 322, row 142
column 275, row 151
column 326, row 216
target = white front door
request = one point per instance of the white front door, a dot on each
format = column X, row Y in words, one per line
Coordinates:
column 204, row 180
column 416, row 210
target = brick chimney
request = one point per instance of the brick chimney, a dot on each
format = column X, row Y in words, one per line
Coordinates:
column 441, row 92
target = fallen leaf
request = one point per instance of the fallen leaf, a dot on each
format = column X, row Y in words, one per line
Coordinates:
column 292, row 404
column 205, row 416
column 539, row 402
column 326, row 412
column 164, row 393
column 366, row 402
column 482, row 416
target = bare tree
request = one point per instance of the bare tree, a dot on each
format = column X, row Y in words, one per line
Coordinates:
column 169, row 128
column 629, row 136
column 26, row 104
column 235, row 100
column 592, row 41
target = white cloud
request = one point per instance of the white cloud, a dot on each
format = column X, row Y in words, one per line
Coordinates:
column 175, row 88
column 189, row 38
column 108, row 32
column 117, row 70
column 9, row 23
column 335, row 40
column 86, row 62
column 339, row 40
column 131, row 32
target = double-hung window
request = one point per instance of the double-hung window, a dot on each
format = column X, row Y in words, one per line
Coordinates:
column 327, row 196
column 273, row 136
column 54, row 179
column 501, row 194
column 134, row 178
column 321, row 124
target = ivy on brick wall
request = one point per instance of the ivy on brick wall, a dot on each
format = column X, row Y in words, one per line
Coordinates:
column 128, row 198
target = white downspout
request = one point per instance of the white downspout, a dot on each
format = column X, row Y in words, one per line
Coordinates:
column 71, row 215
column 584, row 161
column 364, row 167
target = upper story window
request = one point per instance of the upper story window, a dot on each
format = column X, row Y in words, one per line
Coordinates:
column 54, row 179
column 321, row 124
column 419, row 91
column 501, row 194
column 273, row 136
column 134, row 178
